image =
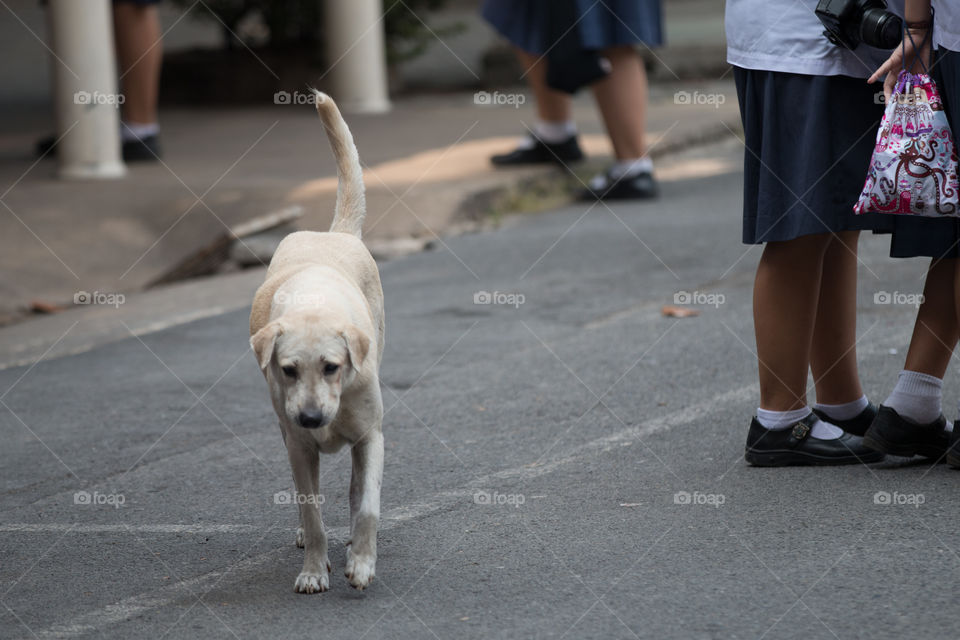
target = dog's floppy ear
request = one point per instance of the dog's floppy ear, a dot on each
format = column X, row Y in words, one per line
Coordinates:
column 358, row 344
column 263, row 342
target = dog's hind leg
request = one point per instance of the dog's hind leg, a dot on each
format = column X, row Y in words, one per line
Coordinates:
column 364, row 509
column 315, row 575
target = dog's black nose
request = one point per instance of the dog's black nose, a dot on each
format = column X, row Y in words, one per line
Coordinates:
column 310, row 419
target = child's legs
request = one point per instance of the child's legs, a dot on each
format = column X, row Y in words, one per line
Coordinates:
column 139, row 47
column 622, row 98
column 552, row 106
column 785, row 296
column 935, row 332
column 833, row 354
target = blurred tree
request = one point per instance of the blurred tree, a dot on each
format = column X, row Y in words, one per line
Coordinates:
column 298, row 23
column 407, row 32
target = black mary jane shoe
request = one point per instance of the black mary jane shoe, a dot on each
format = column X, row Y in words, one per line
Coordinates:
column 893, row 434
column 858, row 424
column 795, row 446
column 541, row 153
column 953, row 453
column 641, row 186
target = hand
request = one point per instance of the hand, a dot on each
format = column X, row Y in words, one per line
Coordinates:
column 916, row 51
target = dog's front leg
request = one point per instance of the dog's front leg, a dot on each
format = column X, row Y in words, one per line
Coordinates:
column 315, row 575
column 283, row 434
column 364, row 509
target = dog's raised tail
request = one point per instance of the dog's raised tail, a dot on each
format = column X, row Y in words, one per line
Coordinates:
column 351, row 202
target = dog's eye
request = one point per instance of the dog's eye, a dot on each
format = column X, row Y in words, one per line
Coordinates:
column 331, row 369
column 290, row 371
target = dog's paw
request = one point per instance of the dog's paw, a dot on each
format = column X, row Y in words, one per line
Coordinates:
column 360, row 570
column 312, row 582
column 300, row 537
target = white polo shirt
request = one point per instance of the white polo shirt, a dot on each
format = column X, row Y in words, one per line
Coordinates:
column 946, row 27
column 786, row 35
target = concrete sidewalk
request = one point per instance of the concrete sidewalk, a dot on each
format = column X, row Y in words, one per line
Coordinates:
column 563, row 465
column 428, row 176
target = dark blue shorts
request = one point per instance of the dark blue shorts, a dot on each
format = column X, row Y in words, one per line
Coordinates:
column 602, row 24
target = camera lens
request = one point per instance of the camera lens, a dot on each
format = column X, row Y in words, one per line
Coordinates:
column 881, row 29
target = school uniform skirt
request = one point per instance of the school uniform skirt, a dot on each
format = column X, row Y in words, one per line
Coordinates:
column 931, row 237
column 809, row 140
column 602, row 24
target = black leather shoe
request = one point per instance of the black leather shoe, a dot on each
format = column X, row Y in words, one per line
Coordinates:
column 794, row 446
column 143, row 149
column 541, row 153
column 46, row 145
column 897, row 436
column 639, row 187
column 858, row 424
column 953, row 453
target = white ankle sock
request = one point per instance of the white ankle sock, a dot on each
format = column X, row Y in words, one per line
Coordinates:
column 631, row 167
column 131, row 131
column 780, row 420
column 554, row 132
column 917, row 397
column 844, row 411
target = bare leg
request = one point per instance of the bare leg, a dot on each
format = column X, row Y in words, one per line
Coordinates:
column 785, row 296
column 622, row 98
column 139, row 56
column 935, row 332
column 552, row 106
column 364, row 509
column 833, row 356
column 315, row 575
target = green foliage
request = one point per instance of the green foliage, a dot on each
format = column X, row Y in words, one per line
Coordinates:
column 294, row 23
column 408, row 33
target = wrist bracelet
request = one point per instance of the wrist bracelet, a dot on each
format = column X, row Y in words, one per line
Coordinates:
column 926, row 24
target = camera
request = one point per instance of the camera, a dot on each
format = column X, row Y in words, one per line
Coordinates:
column 850, row 22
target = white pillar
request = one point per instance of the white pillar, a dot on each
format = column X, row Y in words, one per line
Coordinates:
column 85, row 89
column 357, row 53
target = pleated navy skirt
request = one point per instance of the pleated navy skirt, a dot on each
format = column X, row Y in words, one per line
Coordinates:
column 931, row 237
column 809, row 140
column 602, row 24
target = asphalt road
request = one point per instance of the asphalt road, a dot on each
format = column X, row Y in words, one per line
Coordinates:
column 566, row 464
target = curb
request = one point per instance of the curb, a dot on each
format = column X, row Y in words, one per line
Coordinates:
column 553, row 188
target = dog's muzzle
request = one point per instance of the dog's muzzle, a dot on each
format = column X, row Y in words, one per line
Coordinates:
column 311, row 419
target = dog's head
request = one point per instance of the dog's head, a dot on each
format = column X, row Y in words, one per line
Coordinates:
column 308, row 362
